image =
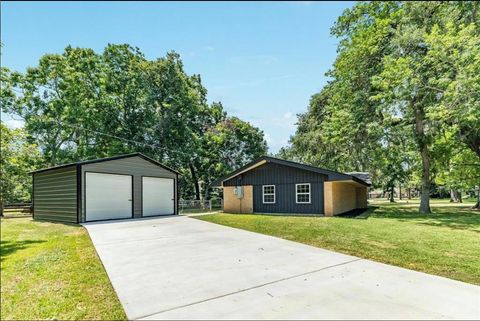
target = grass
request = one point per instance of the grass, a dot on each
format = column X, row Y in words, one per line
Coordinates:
column 444, row 243
column 10, row 213
column 198, row 210
column 51, row 271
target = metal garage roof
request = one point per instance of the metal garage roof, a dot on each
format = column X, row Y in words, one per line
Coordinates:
column 98, row 160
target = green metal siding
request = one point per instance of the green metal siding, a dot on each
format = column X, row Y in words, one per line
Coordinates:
column 135, row 166
column 55, row 195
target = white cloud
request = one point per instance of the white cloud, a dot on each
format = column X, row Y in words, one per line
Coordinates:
column 209, row 48
column 288, row 115
column 268, row 138
column 274, row 144
column 254, row 122
column 287, row 121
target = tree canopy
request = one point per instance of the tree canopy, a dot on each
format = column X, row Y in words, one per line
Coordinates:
column 82, row 105
column 19, row 157
column 402, row 102
column 403, row 97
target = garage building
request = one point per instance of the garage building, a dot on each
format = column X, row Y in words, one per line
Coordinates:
column 272, row 185
column 120, row 187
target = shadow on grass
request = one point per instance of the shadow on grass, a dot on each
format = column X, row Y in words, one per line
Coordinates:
column 8, row 247
column 359, row 213
column 454, row 218
column 15, row 215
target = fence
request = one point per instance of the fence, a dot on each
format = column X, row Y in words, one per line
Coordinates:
column 406, row 194
column 17, row 210
column 199, row 206
column 185, row 207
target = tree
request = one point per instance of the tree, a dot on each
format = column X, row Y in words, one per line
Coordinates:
column 81, row 105
column 414, row 69
column 228, row 145
column 403, row 69
column 18, row 158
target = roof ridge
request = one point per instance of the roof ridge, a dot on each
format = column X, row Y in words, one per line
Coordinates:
column 287, row 163
column 104, row 159
column 317, row 167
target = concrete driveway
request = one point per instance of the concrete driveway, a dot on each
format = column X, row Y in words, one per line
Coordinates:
column 183, row 268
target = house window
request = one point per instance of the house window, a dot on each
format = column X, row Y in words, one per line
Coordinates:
column 268, row 194
column 303, row 193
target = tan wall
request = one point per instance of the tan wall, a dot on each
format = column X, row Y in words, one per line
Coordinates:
column 340, row 197
column 328, row 198
column 232, row 204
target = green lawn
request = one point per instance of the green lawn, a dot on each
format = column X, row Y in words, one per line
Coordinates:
column 51, row 271
column 445, row 243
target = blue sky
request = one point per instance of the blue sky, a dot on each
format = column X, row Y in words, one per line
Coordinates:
column 262, row 60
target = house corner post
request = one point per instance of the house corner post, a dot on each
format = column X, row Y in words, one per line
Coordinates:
column 328, row 198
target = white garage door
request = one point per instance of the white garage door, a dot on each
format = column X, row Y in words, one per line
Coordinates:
column 158, row 196
column 108, row 196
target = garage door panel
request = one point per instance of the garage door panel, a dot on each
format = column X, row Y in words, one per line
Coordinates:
column 108, row 196
column 158, row 196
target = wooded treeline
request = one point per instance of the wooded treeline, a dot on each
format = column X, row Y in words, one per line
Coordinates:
column 82, row 105
column 403, row 100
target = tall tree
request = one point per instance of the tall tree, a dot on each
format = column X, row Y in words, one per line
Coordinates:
column 412, row 72
column 402, row 67
column 227, row 145
column 81, row 104
column 18, row 158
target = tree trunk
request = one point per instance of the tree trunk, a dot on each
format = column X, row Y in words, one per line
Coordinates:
column 409, row 193
column 477, row 206
column 195, row 181
column 205, row 190
column 453, row 196
column 392, row 188
column 400, row 192
column 425, row 155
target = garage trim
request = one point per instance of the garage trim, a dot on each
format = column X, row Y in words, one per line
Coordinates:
column 79, row 190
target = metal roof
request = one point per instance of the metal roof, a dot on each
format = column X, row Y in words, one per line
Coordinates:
column 98, row 160
column 332, row 175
